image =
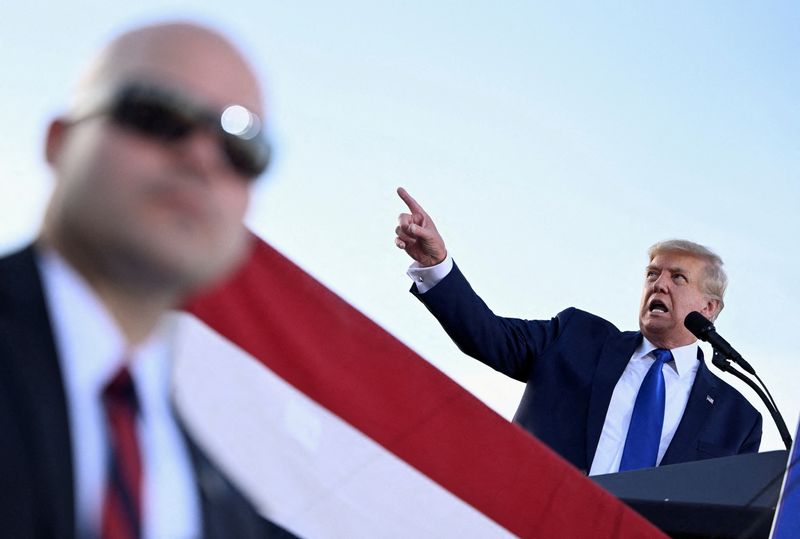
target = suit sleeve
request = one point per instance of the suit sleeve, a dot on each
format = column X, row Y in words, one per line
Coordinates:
column 509, row 345
column 753, row 440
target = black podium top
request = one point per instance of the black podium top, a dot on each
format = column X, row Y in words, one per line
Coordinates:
column 725, row 497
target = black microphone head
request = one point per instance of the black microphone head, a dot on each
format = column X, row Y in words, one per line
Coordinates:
column 698, row 324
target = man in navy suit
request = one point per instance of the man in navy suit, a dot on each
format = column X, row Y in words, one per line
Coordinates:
column 153, row 160
column 582, row 374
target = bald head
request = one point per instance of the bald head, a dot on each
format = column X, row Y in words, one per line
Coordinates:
column 186, row 56
column 139, row 206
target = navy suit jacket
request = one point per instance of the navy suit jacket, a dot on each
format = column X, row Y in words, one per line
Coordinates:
column 36, row 475
column 571, row 364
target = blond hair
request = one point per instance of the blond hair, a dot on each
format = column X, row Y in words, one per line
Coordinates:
column 714, row 282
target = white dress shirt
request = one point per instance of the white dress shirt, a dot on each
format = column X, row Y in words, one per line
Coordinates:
column 91, row 348
column 679, row 376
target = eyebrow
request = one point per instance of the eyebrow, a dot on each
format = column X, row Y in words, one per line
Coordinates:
column 674, row 269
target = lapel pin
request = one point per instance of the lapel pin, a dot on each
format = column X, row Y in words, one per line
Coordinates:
column 709, row 399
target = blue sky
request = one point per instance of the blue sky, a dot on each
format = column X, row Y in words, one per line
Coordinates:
column 553, row 143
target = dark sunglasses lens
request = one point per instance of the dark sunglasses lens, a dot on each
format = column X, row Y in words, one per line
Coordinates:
column 157, row 114
column 153, row 117
column 250, row 157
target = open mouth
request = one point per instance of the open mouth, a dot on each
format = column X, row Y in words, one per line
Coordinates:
column 657, row 306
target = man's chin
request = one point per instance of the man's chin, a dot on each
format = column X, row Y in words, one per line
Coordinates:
column 197, row 273
column 655, row 326
column 179, row 269
column 206, row 267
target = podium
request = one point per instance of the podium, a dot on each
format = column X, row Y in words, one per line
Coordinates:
column 725, row 497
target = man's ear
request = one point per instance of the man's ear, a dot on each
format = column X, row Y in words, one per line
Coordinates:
column 55, row 139
column 711, row 309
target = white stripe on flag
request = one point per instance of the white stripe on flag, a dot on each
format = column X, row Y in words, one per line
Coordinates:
column 305, row 468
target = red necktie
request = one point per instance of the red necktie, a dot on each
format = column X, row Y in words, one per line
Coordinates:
column 122, row 500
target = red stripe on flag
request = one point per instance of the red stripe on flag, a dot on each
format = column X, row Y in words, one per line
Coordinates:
column 328, row 350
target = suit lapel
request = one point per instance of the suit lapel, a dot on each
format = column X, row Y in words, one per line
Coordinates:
column 701, row 401
column 224, row 509
column 40, row 392
column 613, row 359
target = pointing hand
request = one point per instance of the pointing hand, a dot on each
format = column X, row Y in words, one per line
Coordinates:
column 417, row 235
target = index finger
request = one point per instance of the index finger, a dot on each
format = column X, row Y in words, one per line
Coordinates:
column 412, row 204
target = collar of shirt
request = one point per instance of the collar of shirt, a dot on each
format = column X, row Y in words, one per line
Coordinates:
column 91, row 349
column 678, row 378
column 684, row 362
column 90, row 344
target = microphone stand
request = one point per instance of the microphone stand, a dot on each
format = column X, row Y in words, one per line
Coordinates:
column 725, row 365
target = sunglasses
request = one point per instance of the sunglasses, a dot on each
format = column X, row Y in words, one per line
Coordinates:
column 167, row 116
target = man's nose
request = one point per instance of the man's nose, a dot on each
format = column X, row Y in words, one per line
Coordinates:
column 660, row 284
column 202, row 152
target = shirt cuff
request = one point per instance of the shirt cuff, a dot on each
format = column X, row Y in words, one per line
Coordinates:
column 427, row 277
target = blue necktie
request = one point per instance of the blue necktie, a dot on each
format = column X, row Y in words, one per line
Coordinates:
column 644, row 433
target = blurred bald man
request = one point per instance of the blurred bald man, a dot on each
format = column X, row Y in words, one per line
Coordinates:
column 153, row 161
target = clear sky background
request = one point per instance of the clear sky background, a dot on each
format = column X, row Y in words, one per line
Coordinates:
column 553, row 143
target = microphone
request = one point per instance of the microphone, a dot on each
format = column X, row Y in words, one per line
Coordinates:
column 702, row 328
